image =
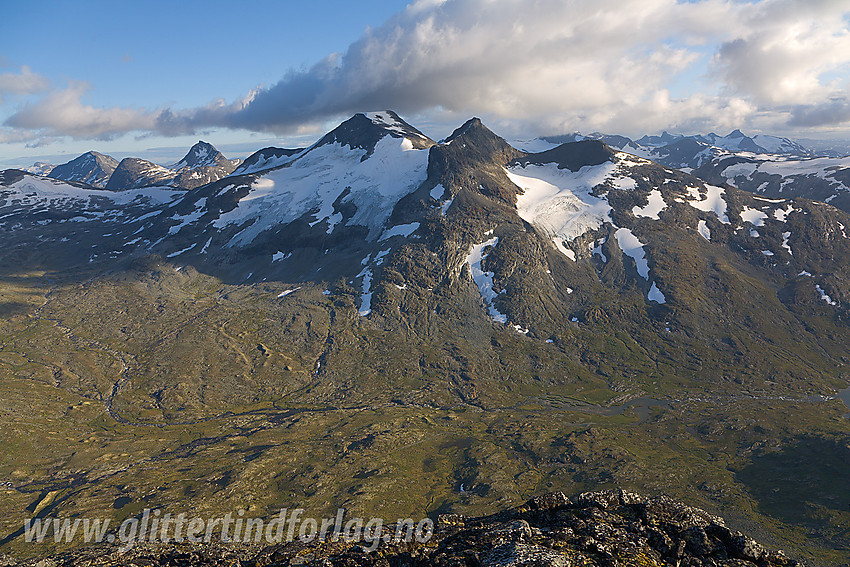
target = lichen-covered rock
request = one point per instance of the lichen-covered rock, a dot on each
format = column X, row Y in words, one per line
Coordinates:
column 522, row 555
column 549, row 501
column 604, row 528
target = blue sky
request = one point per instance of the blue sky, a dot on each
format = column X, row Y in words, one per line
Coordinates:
column 154, row 53
column 179, row 52
column 150, row 78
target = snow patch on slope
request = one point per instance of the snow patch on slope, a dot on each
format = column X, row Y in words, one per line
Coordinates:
column 286, row 292
column 437, row 192
column 596, row 249
column 366, row 294
column 753, row 216
column 824, row 296
column 656, row 295
column 712, row 203
column 785, row 237
column 632, row 247
column 782, row 214
column 654, row 206
column 484, row 280
column 400, row 230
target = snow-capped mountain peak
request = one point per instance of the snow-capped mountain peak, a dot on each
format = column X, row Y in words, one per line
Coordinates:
column 40, row 168
column 365, row 130
column 315, row 183
column 200, row 155
column 389, row 120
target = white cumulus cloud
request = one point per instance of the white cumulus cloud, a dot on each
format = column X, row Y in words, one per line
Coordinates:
column 62, row 113
column 24, row 83
column 787, row 50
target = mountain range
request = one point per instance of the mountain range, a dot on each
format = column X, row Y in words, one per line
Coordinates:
column 202, row 164
column 771, row 165
column 690, row 152
column 767, row 165
column 391, row 323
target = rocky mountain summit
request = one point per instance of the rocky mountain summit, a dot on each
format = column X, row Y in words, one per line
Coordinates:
column 605, row 529
column 133, row 173
column 202, row 154
column 201, row 165
column 92, row 168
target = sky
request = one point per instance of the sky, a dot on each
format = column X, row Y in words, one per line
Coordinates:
column 151, row 78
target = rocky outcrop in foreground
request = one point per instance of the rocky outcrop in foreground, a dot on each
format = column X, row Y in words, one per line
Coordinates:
column 607, row 528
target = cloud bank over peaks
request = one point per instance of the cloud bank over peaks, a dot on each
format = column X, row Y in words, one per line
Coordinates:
column 558, row 65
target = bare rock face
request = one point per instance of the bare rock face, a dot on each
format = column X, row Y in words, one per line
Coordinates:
column 91, row 168
column 133, row 173
column 604, row 528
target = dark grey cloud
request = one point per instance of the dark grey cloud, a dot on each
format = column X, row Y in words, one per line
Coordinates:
column 831, row 113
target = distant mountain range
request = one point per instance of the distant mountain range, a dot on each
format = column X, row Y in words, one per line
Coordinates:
column 675, row 150
column 768, row 165
column 40, row 168
column 202, row 164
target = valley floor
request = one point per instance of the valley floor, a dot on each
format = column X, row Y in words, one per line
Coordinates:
column 187, row 401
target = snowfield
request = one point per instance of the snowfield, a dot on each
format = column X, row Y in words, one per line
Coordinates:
column 311, row 184
column 559, row 201
column 31, row 191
